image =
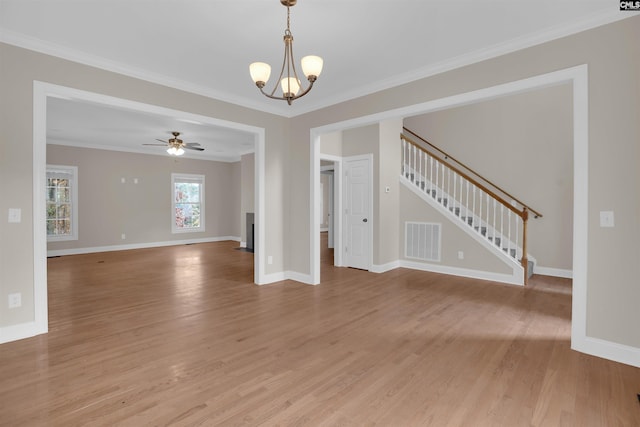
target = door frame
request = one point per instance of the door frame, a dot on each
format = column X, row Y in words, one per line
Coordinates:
column 41, row 91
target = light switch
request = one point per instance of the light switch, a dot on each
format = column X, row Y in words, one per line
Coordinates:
column 15, row 215
column 606, row 219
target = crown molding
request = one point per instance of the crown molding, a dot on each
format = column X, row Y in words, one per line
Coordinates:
column 604, row 17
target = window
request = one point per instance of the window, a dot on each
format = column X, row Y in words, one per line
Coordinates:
column 62, row 203
column 187, row 202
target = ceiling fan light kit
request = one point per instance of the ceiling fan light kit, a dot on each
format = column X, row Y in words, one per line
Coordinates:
column 288, row 79
column 177, row 146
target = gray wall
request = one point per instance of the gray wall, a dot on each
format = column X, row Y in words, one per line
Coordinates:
column 524, row 144
column 108, row 208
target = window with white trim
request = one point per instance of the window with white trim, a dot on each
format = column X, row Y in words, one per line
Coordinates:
column 62, row 203
column 187, row 202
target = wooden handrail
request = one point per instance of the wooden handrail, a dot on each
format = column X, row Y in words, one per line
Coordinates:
column 536, row 214
column 468, row 178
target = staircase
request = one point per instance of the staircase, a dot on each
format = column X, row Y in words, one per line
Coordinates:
column 471, row 201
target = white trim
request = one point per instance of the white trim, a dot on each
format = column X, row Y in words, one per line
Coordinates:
column 19, row 332
column 597, row 19
column 111, row 248
column 243, row 244
column 272, row 278
column 288, row 275
column 554, row 272
column 383, row 268
column 324, row 229
column 578, row 77
column 610, row 350
column 463, row 272
column 43, row 90
column 299, row 277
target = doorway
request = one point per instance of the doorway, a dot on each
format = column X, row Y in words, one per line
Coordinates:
column 42, row 91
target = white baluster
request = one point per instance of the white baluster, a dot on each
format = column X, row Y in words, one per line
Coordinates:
column 437, row 180
column 430, row 175
column 480, row 213
column 517, row 236
column 501, row 224
column 487, row 214
column 404, row 156
column 466, row 205
column 509, row 232
column 455, row 185
column 473, row 211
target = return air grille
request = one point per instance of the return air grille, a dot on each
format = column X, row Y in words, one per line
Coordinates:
column 422, row 241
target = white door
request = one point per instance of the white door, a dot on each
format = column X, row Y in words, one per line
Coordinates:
column 358, row 213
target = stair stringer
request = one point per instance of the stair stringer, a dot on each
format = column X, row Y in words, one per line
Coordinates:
column 517, row 271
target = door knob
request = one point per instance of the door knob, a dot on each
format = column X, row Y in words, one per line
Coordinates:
column 364, row 220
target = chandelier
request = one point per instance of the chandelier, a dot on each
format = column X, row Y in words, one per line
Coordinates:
column 288, row 79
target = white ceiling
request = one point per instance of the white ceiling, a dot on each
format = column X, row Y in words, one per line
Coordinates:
column 206, row 46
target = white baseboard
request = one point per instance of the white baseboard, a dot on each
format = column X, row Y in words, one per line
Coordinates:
column 323, row 229
column 243, row 244
column 286, row 275
column 111, row 248
column 20, row 331
column 272, row 278
column 515, row 279
column 299, row 277
column 608, row 350
column 383, row 268
column 555, row 272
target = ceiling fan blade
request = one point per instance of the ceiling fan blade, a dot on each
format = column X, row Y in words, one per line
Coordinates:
column 166, row 142
column 157, row 145
column 191, row 144
column 193, row 148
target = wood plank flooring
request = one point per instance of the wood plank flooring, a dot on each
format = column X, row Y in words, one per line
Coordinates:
column 180, row 336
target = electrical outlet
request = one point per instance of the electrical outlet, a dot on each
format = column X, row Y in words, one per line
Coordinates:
column 123, row 236
column 269, row 259
column 15, row 300
column 460, row 255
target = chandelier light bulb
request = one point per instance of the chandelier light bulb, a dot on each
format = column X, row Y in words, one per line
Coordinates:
column 290, row 86
column 179, row 151
column 260, row 72
column 311, row 66
column 171, row 150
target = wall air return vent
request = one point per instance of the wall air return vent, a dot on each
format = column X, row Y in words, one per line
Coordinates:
column 422, row 241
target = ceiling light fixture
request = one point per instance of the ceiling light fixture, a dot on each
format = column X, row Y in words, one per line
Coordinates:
column 175, row 151
column 289, row 81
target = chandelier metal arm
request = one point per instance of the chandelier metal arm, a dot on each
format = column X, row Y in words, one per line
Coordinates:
column 289, row 99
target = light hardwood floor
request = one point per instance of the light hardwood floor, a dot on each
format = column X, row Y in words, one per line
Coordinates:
column 181, row 336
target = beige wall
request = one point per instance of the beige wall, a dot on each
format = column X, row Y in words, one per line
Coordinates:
column 108, row 208
column 613, row 59
column 524, row 144
column 610, row 51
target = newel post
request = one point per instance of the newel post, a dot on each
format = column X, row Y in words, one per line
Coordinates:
column 524, row 260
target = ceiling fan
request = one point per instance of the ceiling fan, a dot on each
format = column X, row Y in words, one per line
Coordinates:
column 176, row 145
